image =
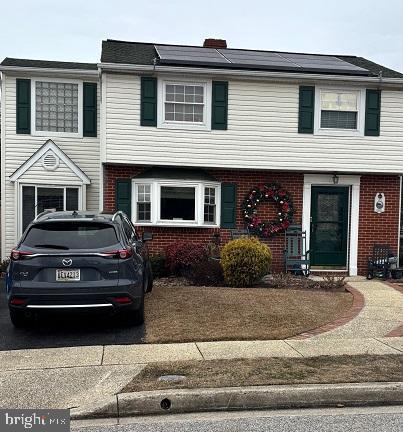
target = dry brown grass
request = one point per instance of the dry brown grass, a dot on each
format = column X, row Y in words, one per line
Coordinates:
column 236, row 373
column 188, row 314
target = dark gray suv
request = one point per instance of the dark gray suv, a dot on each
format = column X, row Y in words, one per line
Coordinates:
column 79, row 261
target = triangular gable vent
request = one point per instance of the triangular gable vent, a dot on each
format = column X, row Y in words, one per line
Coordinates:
column 51, row 155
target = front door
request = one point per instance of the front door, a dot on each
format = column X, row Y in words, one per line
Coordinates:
column 329, row 226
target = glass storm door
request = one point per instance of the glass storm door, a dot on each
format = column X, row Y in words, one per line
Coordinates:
column 329, row 226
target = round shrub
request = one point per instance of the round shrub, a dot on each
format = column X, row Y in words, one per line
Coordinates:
column 245, row 261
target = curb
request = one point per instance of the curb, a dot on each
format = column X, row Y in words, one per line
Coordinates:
column 243, row 398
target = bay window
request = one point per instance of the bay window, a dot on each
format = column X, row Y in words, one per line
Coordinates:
column 176, row 203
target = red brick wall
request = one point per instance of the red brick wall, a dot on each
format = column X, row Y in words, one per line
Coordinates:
column 377, row 227
column 373, row 227
column 245, row 180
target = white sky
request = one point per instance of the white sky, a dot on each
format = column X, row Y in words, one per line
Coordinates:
column 72, row 30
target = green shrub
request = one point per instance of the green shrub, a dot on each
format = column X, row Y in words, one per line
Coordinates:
column 159, row 266
column 206, row 272
column 245, row 261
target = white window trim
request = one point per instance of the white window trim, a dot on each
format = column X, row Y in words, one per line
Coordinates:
column 327, row 180
column 156, row 202
column 340, row 132
column 20, row 185
column 34, row 132
column 169, row 124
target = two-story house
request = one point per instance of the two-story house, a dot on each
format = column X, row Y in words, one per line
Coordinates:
column 185, row 134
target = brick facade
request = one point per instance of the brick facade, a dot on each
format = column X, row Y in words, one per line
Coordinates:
column 377, row 227
column 245, row 180
column 373, row 227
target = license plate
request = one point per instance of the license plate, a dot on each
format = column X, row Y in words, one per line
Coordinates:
column 70, row 275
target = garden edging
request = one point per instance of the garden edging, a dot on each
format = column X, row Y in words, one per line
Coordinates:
column 356, row 308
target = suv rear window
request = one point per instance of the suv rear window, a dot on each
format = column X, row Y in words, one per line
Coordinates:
column 71, row 235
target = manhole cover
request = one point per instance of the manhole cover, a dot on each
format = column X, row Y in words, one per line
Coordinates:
column 172, row 378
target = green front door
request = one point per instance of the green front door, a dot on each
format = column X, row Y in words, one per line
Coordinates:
column 329, row 226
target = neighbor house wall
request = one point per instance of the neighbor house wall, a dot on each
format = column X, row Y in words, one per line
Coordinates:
column 17, row 148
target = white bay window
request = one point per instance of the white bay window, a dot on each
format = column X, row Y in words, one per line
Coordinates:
column 176, row 202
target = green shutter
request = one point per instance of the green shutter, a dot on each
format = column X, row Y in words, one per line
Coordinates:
column 124, row 196
column 228, row 205
column 306, row 109
column 219, row 107
column 148, row 101
column 90, row 109
column 373, row 112
column 23, row 107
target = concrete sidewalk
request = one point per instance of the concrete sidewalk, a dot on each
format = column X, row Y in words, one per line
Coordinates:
column 56, row 358
column 382, row 312
column 77, row 376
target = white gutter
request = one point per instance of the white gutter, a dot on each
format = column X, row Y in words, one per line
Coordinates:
column 249, row 74
column 53, row 71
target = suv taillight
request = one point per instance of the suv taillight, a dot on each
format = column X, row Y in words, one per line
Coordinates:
column 121, row 253
column 18, row 254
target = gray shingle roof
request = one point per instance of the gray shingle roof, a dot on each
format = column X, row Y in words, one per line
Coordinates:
column 140, row 53
column 128, row 52
column 8, row 61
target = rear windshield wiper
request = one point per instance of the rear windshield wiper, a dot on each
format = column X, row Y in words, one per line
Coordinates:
column 51, row 246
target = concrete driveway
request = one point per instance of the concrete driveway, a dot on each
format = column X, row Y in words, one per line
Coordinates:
column 64, row 331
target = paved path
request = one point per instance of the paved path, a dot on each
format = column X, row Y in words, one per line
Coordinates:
column 382, row 312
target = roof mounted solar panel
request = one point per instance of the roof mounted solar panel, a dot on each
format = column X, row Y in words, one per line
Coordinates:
column 323, row 63
column 258, row 59
column 185, row 55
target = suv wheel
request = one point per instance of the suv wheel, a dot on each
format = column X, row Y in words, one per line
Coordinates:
column 134, row 317
column 18, row 318
column 150, row 281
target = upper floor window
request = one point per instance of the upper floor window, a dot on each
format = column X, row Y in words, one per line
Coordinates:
column 57, row 107
column 184, row 105
column 339, row 110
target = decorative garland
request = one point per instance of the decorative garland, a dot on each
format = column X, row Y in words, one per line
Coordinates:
column 272, row 192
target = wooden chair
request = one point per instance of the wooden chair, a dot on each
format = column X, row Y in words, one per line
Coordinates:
column 296, row 256
column 380, row 261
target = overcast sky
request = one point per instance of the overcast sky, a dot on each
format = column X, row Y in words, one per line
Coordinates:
column 73, row 29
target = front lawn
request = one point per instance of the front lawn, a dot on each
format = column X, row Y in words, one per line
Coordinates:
column 270, row 371
column 190, row 314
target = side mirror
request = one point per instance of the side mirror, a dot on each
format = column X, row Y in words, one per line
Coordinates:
column 147, row 236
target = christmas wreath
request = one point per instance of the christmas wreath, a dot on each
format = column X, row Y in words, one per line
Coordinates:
column 272, row 192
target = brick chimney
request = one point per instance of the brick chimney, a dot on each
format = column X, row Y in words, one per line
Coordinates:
column 215, row 43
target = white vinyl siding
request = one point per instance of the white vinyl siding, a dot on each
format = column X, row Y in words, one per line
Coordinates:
column 262, row 134
column 18, row 148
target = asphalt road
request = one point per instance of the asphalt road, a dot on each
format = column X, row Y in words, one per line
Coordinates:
column 64, row 330
column 380, row 419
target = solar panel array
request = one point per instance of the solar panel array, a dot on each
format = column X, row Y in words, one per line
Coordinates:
column 237, row 58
